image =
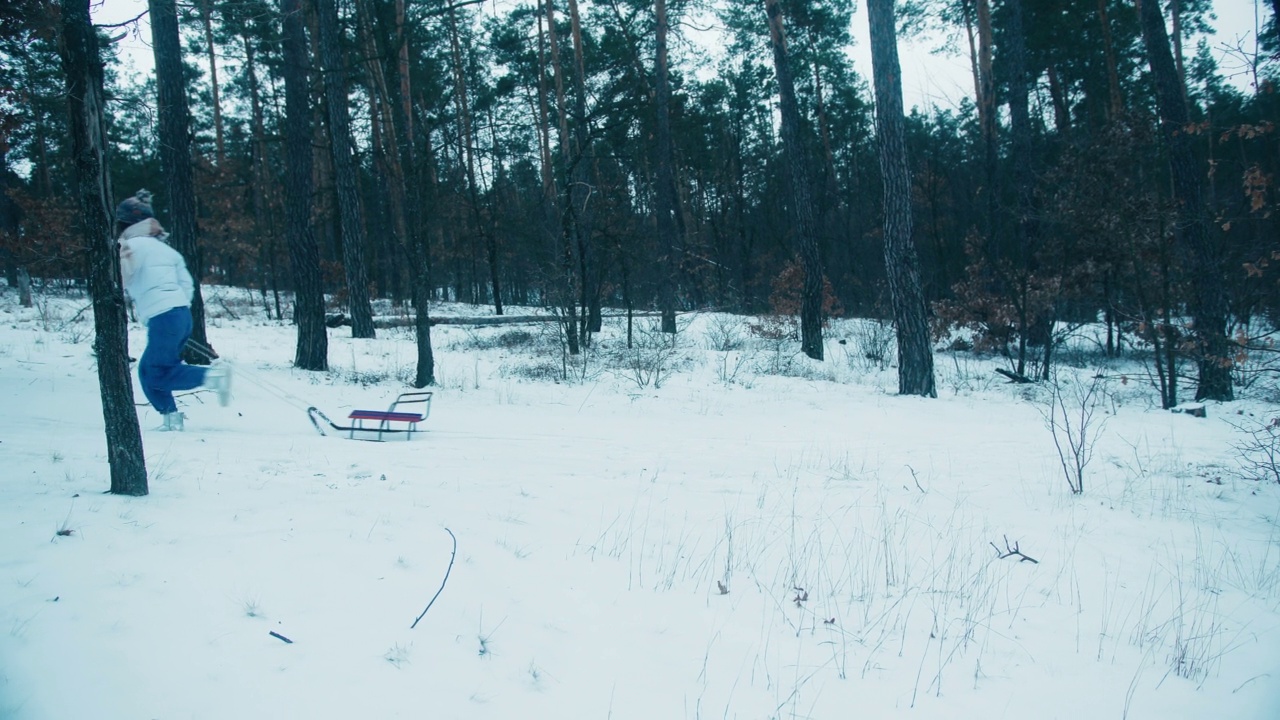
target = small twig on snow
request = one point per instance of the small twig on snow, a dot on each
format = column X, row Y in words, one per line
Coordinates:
column 1012, row 552
column 448, row 570
column 275, row 634
column 916, row 479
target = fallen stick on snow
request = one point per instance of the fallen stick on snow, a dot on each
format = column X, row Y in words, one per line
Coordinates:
column 1012, row 552
column 447, row 570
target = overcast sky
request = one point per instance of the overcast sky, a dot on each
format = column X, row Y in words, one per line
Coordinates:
column 929, row 77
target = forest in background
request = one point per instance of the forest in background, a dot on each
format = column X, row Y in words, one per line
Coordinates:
column 585, row 155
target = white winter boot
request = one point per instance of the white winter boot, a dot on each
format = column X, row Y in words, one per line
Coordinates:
column 173, row 422
column 218, row 379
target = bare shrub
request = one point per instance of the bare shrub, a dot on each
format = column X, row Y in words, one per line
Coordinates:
column 505, row 340
column 1258, row 450
column 546, row 369
column 1072, row 418
column 778, row 337
column 872, row 345
column 365, row 378
column 651, row 359
column 726, row 333
column 729, row 369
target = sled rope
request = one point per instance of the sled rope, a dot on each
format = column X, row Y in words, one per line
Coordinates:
column 271, row 388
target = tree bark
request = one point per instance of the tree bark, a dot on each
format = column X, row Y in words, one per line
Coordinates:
column 175, row 156
column 1200, row 256
column 344, row 170
column 312, row 351
column 801, row 188
column 915, row 354
column 82, row 65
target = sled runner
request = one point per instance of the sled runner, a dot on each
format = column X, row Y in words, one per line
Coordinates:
column 389, row 421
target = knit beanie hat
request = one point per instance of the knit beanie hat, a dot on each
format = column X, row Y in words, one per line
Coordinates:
column 135, row 209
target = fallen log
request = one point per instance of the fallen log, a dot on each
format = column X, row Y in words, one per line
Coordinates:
column 339, row 320
column 1014, row 377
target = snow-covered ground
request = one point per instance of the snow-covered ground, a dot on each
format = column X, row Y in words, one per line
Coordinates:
column 756, row 537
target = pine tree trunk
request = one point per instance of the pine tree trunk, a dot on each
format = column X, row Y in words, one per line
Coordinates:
column 1115, row 101
column 82, row 66
column 467, row 138
column 206, row 17
column 564, row 295
column 1199, row 254
column 544, row 130
column 1175, row 15
column 420, row 252
column 987, row 120
column 388, row 221
column 801, row 189
column 312, row 352
column 262, row 222
column 1058, row 97
column 580, row 192
column 546, row 166
column 24, row 287
column 405, row 180
column 665, row 195
column 175, row 156
column 344, row 170
column 1275, row 21
column 915, row 354
column 9, row 221
column 1025, row 230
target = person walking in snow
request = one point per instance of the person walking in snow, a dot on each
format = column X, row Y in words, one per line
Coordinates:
column 158, row 284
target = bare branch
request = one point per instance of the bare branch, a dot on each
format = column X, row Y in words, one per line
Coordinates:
column 916, row 479
column 1012, row 552
column 131, row 21
column 450, row 8
column 452, row 557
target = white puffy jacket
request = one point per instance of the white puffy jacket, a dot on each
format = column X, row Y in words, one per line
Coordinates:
column 154, row 274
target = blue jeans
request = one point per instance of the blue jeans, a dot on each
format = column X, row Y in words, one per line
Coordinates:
column 161, row 369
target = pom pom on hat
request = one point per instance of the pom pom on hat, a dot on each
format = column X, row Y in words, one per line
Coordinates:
column 135, row 209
